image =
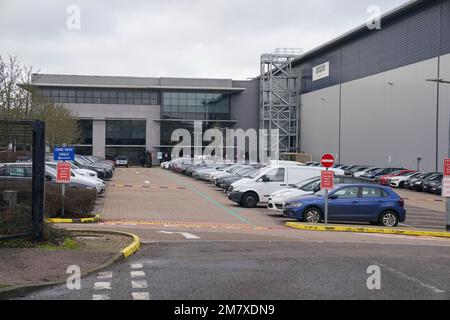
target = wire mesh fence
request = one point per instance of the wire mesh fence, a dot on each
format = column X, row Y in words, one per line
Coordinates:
column 21, row 178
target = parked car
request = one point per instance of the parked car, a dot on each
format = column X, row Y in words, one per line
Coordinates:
column 358, row 202
column 225, row 183
column 381, row 172
column 102, row 172
column 385, row 180
column 248, row 192
column 435, row 187
column 278, row 199
column 122, row 161
column 427, row 184
column 399, row 181
column 416, row 183
column 350, row 171
column 364, row 171
column 78, row 176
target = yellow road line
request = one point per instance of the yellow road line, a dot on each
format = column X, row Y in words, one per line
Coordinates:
column 394, row 231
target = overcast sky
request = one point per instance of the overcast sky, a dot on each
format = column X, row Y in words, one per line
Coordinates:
column 175, row 38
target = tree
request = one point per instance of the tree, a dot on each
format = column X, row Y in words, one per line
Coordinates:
column 19, row 99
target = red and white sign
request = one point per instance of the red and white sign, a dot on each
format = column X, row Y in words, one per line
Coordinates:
column 447, row 168
column 327, row 160
column 63, row 172
column 446, row 180
column 327, row 180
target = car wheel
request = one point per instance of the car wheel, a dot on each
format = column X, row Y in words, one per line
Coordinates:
column 312, row 215
column 389, row 219
column 249, row 200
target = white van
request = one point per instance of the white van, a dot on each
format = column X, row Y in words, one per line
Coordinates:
column 248, row 192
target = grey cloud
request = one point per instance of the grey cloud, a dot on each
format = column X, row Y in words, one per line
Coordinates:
column 202, row 38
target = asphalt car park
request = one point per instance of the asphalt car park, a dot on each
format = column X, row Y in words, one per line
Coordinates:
column 197, row 244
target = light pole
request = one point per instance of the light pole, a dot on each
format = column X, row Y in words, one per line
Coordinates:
column 442, row 81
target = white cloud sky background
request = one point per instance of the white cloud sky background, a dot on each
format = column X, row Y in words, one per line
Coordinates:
column 171, row 38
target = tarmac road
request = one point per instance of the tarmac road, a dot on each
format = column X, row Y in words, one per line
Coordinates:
column 199, row 245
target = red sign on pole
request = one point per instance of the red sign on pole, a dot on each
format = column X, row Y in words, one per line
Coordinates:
column 327, row 160
column 447, row 168
column 63, row 172
column 327, row 180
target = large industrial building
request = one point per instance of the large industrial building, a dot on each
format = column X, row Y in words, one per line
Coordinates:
column 363, row 96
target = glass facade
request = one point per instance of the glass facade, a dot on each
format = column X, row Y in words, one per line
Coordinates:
column 136, row 156
column 125, row 132
column 101, row 96
column 85, row 127
column 195, row 105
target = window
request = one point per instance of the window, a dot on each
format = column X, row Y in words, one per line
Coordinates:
column 125, row 132
column 19, row 172
column 348, row 192
column 312, row 186
column 276, row 175
column 105, row 96
column 373, row 192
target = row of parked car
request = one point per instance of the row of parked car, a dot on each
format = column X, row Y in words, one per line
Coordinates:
column 430, row 182
column 87, row 172
column 294, row 189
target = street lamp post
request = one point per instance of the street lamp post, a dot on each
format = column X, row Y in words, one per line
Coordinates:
column 442, row 81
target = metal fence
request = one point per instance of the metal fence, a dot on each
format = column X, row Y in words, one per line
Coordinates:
column 22, row 179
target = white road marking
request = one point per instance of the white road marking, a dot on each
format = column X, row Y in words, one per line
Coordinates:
column 137, row 266
column 100, row 297
column 415, row 280
column 102, row 286
column 137, row 274
column 147, row 182
column 105, row 275
column 187, row 235
column 141, row 295
column 139, row 284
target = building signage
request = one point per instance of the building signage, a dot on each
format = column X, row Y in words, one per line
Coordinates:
column 321, row 71
column 63, row 172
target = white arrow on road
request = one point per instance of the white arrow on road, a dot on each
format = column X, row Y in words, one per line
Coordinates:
column 184, row 234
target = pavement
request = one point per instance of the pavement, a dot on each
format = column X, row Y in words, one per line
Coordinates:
column 199, row 245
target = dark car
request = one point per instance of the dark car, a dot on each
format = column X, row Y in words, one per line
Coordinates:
column 416, row 183
column 381, row 172
column 102, row 172
column 426, row 184
column 435, row 187
column 225, row 182
column 351, row 171
column 358, row 202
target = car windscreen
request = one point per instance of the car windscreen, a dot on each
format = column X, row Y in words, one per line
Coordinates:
column 301, row 184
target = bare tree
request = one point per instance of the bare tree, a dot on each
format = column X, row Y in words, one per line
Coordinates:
column 19, row 99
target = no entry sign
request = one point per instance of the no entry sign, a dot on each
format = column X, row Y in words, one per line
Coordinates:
column 327, row 160
column 63, row 172
column 327, row 180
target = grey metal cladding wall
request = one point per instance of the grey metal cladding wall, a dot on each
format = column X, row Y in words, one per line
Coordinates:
column 394, row 46
column 445, row 36
column 424, row 34
column 404, row 40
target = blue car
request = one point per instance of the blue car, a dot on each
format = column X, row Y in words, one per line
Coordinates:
column 350, row 202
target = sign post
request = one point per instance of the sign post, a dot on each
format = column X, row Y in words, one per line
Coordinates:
column 63, row 170
column 327, row 179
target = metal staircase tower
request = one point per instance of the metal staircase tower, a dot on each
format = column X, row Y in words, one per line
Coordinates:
column 278, row 97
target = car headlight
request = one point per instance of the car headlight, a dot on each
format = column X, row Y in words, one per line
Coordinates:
column 294, row 204
column 237, row 189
